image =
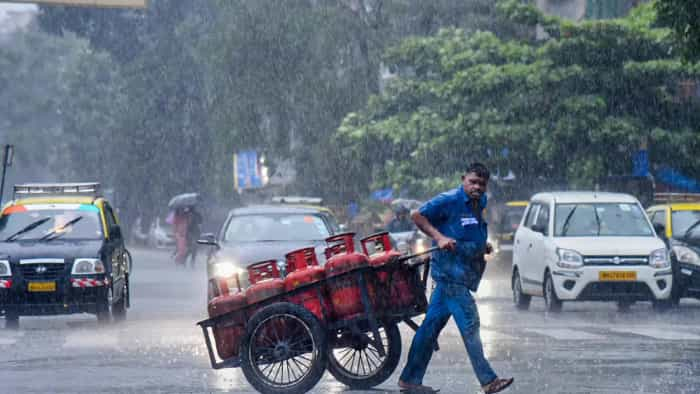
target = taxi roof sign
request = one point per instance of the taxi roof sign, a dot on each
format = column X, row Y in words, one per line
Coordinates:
column 676, row 197
column 36, row 189
column 297, row 200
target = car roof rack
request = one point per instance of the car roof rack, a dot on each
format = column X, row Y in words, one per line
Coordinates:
column 57, row 189
column 297, row 200
column 676, row 197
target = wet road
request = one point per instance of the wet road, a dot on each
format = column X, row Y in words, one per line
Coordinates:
column 588, row 348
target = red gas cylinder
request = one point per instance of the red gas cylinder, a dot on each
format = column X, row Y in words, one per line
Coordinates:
column 228, row 338
column 345, row 293
column 265, row 281
column 303, row 269
column 394, row 281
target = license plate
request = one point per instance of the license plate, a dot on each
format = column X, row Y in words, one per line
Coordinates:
column 621, row 276
column 42, row 286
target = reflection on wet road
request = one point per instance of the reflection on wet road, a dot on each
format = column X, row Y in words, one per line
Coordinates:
column 588, row 348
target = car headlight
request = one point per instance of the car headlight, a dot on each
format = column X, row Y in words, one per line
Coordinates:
column 659, row 259
column 226, row 269
column 569, row 259
column 88, row 266
column 5, row 269
column 686, row 255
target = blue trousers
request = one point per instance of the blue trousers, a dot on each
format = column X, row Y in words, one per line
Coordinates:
column 454, row 300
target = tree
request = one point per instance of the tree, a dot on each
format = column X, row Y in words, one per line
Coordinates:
column 683, row 17
column 569, row 110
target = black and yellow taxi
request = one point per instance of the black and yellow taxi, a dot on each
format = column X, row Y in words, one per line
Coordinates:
column 61, row 252
column 677, row 221
column 505, row 219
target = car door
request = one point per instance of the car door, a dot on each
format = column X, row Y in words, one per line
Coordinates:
column 523, row 247
column 540, row 234
column 115, row 252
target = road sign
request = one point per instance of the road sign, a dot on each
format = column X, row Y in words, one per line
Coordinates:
column 89, row 3
column 246, row 170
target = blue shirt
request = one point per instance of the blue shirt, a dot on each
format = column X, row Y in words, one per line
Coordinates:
column 452, row 214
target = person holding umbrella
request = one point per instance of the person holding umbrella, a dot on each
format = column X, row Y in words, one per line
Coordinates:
column 186, row 227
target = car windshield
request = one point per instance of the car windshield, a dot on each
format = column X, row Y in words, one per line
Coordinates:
column 511, row 219
column 681, row 222
column 270, row 227
column 602, row 219
column 66, row 223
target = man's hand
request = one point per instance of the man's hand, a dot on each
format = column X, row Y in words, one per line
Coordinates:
column 489, row 248
column 446, row 243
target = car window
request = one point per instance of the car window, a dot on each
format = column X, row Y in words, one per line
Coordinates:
column 600, row 219
column 276, row 227
column 681, row 221
column 532, row 214
column 542, row 220
column 659, row 217
column 510, row 219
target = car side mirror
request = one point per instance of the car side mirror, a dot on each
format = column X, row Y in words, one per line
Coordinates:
column 115, row 232
column 660, row 230
column 208, row 239
column 539, row 229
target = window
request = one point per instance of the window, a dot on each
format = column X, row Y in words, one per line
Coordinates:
column 542, row 220
column 276, row 227
column 600, row 219
column 659, row 218
column 531, row 214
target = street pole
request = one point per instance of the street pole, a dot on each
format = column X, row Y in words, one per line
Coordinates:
column 6, row 162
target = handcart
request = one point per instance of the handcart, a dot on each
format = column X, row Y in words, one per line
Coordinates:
column 286, row 349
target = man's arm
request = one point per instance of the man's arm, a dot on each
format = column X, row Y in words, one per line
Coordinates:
column 424, row 224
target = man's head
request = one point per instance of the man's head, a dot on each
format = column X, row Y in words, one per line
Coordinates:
column 475, row 179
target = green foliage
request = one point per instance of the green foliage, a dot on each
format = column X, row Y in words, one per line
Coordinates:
column 683, row 17
column 568, row 110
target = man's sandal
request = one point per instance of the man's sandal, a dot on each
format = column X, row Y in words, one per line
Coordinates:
column 497, row 385
column 416, row 388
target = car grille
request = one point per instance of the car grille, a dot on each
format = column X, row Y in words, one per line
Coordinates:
column 615, row 260
column 616, row 290
column 42, row 270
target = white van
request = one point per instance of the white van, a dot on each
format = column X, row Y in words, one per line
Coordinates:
column 588, row 246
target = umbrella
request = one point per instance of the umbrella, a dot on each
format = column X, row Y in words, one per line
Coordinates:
column 183, row 200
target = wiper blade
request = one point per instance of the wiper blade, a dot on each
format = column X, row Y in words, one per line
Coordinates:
column 53, row 234
column 597, row 219
column 690, row 229
column 27, row 228
column 565, row 227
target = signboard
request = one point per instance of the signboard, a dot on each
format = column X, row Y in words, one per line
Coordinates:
column 88, row 3
column 246, row 170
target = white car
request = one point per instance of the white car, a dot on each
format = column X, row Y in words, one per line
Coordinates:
column 589, row 246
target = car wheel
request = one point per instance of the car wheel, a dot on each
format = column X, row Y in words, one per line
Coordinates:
column 551, row 301
column 521, row 301
column 119, row 308
column 104, row 309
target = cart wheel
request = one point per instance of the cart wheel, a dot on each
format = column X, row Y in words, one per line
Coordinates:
column 355, row 361
column 284, row 349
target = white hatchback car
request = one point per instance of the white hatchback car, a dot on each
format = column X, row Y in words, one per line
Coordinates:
column 588, row 246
